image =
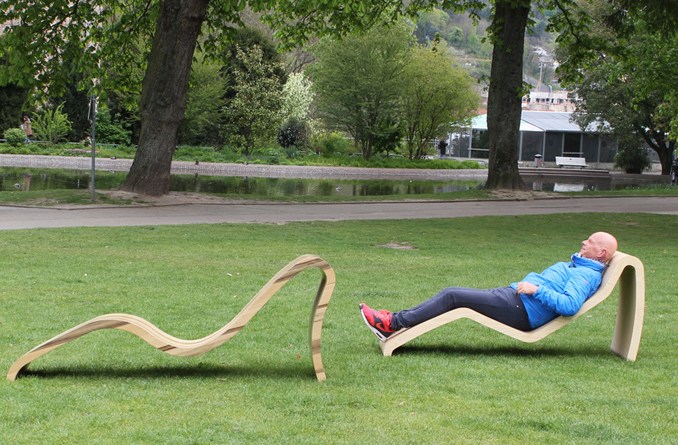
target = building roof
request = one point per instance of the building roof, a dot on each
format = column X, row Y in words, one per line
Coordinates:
column 541, row 121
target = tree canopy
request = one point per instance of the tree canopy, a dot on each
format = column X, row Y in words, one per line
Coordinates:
column 626, row 76
column 358, row 81
column 437, row 96
column 108, row 41
column 103, row 38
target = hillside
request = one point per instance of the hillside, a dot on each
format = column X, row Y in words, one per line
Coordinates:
column 466, row 40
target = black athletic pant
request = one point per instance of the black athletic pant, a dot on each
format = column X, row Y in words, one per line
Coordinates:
column 502, row 304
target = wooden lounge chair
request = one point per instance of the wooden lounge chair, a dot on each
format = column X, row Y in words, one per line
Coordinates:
column 625, row 269
column 175, row 346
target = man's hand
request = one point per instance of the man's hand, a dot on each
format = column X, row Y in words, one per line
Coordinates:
column 526, row 288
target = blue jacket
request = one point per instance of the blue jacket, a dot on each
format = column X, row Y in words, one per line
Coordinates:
column 563, row 289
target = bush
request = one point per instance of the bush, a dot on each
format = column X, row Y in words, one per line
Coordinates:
column 15, row 137
column 333, row 143
column 52, row 125
column 631, row 158
column 292, row 134
column 110, row 132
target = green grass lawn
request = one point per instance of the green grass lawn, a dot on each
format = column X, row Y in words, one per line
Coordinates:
column 462, row 383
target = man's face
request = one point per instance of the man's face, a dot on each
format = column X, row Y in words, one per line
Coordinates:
column 591, row 247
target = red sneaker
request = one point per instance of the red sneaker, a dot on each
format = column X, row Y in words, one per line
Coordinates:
column 378, row 321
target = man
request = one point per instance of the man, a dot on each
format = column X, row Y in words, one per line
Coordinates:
column 539, row 298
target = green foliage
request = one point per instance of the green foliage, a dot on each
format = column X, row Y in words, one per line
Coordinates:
column 243, row 40
column 51, row 125
column 625, row 77
column 659, row 14
column 437, row 95
column 101, row 41
column 75, row 102
column 109, row 131
column 12, row 98
column 632, row 157
column 205, row 100
column 418, row 93
column 331, row 144
column 297, row 97
column 254, row 75
column 292, row 134
column 358, row 82
column 252, row 115
column 204, row 154
column 15, row 137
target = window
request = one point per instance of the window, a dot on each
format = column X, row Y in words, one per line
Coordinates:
column 532, row 145
column 590, row 147
column 571, row 145
column 554, row 146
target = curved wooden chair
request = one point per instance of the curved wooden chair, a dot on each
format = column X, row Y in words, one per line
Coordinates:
column 176, row 346
column 623, row 268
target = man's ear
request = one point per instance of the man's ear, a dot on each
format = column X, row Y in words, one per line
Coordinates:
column 603, row 255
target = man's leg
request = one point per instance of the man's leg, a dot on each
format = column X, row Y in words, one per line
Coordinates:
column 502, row 304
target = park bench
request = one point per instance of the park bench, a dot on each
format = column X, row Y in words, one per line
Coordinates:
column 175, row 346
column 624, row 269
column 564, row 161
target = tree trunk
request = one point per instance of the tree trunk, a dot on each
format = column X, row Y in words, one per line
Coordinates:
column 163, row 95
column 663, row 147
column 504, row 100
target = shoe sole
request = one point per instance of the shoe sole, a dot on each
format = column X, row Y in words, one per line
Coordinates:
column 376, row 332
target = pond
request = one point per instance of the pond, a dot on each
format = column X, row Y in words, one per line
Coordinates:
column 12, row 179
column 48, row 179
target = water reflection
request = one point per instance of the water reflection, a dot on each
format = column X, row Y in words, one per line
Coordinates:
column 272, row 187
column 12, row 179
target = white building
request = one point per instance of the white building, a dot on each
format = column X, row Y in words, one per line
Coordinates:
column 545, row 133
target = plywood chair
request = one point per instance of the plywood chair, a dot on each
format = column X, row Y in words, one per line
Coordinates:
column 624, row 269
column 175, row 346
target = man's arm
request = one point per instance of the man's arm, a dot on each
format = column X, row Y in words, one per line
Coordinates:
column 526, row 288
column 576, row 291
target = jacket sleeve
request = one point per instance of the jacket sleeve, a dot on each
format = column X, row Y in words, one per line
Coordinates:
column 576, row 291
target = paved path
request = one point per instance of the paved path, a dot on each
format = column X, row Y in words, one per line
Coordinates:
column 17, row 217
column 12, row 217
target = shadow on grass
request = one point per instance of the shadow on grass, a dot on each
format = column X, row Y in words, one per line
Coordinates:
column 201, row 371
column 505, row 351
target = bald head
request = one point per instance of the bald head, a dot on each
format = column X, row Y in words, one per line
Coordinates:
column 599, row 246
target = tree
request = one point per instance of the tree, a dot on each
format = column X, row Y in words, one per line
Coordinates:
column 662, row 15
column 506, row 89
column 297, row 97
column 252, row 115
column 358, row 80
column 509, row 22
column 243, row 40
column 436, row 94
column 205, row 100
column 101, row 37
column 76, row 106
column 626, row 78
column 163, row 94
column 12, row 98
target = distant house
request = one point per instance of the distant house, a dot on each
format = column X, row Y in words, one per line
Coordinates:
column 544, row 133
column 549, row 100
